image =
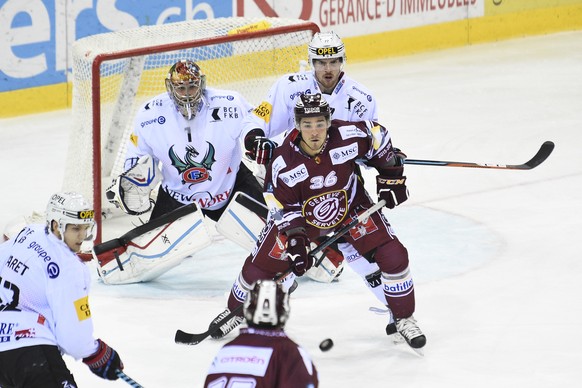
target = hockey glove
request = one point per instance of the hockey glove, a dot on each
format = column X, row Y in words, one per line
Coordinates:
column 391, row 187
column 105, row 362
column 297, row 253
column 259, row 148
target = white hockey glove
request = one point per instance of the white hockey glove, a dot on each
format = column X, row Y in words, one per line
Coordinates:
column 131, row 190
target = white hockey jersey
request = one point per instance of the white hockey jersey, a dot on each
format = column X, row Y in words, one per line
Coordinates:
column 349, row 101
column 200, row 157
column 44, row 290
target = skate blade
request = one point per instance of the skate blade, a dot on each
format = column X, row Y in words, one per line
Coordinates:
column 398, row 339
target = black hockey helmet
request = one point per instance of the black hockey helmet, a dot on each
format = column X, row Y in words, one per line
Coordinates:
column 266, row 305
column 310, row 105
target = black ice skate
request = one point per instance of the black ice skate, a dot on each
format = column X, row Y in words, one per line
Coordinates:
column 406, row 329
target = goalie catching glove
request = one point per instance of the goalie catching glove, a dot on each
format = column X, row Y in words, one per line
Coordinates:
column 131, row 190
column 259, row 148
column 301, row 260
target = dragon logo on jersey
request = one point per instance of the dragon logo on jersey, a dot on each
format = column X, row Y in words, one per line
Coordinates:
column 192, row 171
column 326, row 210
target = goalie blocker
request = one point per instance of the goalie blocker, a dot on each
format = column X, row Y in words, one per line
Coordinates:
column 150, row 250
column 242, row 222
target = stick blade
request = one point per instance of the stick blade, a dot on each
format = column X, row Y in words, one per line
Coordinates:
column 189, row 339
column 540, row 157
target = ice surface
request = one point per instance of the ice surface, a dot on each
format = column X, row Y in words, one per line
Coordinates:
column 495, row 254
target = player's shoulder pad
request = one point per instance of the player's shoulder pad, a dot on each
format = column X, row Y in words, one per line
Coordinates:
column 222, row 96
column 358, row 89
column 348, row 129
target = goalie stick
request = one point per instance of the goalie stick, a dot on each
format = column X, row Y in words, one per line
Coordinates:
column 183, row 337
column 542, row 154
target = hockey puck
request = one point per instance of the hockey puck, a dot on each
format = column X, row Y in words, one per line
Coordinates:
column 326, row 344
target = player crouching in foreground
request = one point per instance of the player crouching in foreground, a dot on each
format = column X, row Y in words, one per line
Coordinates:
column 311, row 188
column 44, row 308
column 286, row 364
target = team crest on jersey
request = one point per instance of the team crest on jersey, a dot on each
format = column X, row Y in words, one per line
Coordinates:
column 192, row 171
column 326, row 210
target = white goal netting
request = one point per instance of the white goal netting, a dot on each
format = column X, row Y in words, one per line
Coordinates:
column 114, row 73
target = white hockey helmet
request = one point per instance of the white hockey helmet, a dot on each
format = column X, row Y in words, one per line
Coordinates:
column 326, row 45
column 70, row 208
column 266, row 305
column 185, row 84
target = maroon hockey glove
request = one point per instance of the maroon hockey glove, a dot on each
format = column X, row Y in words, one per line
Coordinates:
column 297, row 253
column 104, row 362
column 259, row 148
column 391, row 187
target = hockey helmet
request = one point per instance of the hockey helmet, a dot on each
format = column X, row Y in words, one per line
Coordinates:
column 311, row 105
column 266, row 305
column 326, row 45
column 185, row 84
column 70, row 208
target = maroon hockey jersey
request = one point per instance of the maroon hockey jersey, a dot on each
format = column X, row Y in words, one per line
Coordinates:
column 262, row 358
column 318, row 193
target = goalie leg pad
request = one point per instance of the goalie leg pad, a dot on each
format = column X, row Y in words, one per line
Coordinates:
column 242, row 221
column 330, row 267
column 154, row 252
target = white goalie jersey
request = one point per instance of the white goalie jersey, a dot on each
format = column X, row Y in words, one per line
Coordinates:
column 199, row 157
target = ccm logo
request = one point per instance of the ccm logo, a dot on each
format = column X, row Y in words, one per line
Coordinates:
column 385, row 181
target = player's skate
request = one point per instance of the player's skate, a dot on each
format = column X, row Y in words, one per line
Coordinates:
column 225, row 327
column 408, row 330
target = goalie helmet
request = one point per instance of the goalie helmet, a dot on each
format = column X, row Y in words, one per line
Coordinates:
column 185, row 84
column 311, row 105
column 70, row 208
column 326, row 45
column 266, row 305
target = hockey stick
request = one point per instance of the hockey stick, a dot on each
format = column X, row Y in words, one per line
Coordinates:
column 128, row 379
column 542, row 154
column 193, row 339
column 360, row 218
column 142, row 229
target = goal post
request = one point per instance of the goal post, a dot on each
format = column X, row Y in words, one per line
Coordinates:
column 115, row 73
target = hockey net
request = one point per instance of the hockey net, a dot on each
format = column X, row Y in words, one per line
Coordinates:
column 114, row 73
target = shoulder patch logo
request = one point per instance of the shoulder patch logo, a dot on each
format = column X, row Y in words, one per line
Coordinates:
column 263, row 111
column 82, row 308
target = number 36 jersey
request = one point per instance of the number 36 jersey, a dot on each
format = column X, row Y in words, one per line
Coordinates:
column 318, row 193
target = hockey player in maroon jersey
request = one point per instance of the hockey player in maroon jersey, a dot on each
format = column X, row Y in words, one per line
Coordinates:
column 312, row 188
column 262, row 356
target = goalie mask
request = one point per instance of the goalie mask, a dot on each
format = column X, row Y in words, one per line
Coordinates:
column 70, row 208
column 266, row 305
column 326, row 45
column 185, row 84
column 311, row 105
